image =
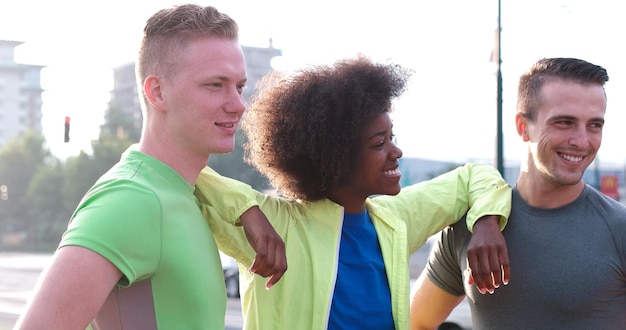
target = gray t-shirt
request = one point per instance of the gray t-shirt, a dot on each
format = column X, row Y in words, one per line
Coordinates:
column 568, row 267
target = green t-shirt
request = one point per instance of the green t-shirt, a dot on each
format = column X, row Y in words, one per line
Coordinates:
column 144, row 218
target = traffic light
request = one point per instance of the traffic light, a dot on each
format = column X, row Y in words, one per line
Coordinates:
column 67, row 129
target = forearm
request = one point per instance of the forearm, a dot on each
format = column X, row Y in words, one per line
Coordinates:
column 487, row 256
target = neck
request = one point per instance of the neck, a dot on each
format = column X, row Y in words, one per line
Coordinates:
column 187, row 163
column 350, row 203
column 542, row 192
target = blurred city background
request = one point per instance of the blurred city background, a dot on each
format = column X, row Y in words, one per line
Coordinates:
column 69, row 104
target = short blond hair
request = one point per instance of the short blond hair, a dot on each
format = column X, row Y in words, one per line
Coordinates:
column 169, row 30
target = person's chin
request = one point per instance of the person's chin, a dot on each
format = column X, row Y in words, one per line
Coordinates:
column 393, row 191
column 219, row 150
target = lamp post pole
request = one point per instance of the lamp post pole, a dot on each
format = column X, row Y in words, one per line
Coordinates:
column 499, row 151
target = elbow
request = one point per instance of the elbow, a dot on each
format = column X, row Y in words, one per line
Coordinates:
column 421, row 326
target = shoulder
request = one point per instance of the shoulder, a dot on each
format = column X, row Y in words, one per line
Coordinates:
column 609, row 211
column 121, row 192
column 454, row 238
column 139, row 180
column 119, row 202
column 604, row 204
column 458, row 234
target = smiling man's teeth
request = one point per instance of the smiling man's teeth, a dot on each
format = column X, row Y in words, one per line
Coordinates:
column 572, row 158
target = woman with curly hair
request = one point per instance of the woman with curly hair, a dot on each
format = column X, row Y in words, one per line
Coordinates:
column 323, row 137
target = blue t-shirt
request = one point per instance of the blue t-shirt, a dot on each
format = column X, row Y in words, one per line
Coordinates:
column 362, row 299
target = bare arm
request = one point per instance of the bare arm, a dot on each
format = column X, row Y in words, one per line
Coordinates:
column 430, row 305
column 487, row 256
column 70, row 292
column 228, row 199
column 271, row 258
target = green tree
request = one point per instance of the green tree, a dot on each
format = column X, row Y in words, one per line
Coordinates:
column 233, row 166
column 38, row 192
column 116, row 134
column 121, row 125
column 82, row 171
column 20, row 159
column 107, row 151
column 79, row 176
column 48, row 212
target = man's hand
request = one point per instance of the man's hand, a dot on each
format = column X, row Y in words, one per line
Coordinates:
column 487, row 256
column 271, row 259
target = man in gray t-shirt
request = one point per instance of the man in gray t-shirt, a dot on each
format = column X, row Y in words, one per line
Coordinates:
column 568, row 267
column 566, row 241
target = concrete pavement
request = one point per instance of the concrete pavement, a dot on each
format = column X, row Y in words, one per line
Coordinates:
column 19, row 273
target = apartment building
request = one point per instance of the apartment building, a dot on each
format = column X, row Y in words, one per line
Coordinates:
column 20, row 94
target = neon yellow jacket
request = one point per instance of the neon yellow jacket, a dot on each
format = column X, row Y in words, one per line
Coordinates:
column 311, row 231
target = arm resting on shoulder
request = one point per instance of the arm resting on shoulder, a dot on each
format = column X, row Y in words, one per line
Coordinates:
column 236, row 203
column 230, row 198
column 487, row 253
column 271, row 258
column 489, row 194
column 487, row 256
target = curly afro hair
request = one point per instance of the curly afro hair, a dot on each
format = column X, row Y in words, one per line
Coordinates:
column 304, row 131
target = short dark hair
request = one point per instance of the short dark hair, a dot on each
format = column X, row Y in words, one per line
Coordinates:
column 547, row 69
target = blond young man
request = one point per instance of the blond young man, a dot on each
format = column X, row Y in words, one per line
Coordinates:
column 138, row 253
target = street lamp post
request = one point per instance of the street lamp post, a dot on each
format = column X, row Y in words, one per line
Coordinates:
column 498, row 60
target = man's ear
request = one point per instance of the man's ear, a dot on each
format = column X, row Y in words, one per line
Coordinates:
column 520, row 124
column 153, row 87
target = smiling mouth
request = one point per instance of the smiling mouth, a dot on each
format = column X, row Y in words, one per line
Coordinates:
column 570, row 158
column 394, row 172
column 227, row 125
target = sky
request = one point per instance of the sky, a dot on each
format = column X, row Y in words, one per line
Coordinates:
column 449, row 110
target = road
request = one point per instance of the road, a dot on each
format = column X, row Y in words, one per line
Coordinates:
column 19, row 272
